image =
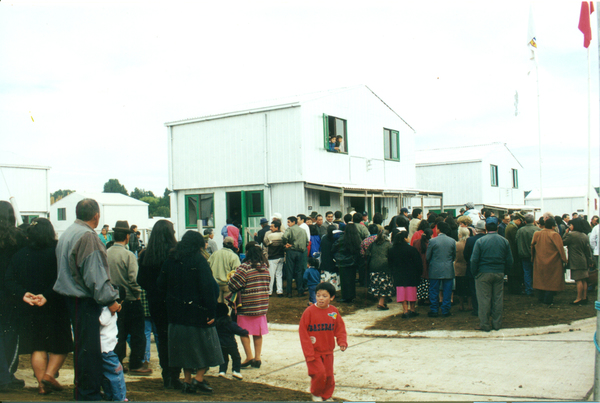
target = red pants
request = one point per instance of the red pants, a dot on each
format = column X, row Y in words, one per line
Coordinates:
column 321, row 372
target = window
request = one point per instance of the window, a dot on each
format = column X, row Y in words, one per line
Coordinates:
column 254, row 203
column 494, row 175
column 391, row 144
column 324, row 199
column 335, row 134
column 27, row 219
column 515, row 178
column 62, row 214
column 199, row 207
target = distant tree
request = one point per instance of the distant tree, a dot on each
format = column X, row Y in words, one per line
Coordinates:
column 141, row 193
column 59, row 194
column 162, row 211
column 113, row 186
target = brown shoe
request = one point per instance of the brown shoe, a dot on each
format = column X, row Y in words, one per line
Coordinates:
column 142, row 371
column 49, row 382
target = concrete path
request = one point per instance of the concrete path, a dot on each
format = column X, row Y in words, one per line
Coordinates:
column 550, row 363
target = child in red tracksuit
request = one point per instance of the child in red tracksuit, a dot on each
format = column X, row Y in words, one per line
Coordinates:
column 320, row 325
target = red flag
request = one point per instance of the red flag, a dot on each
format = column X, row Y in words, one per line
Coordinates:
column 584, row 22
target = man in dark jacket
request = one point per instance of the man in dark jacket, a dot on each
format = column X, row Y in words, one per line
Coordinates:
column 491, row 257
column 524, row 238
column 515, row 272
column 469, row 245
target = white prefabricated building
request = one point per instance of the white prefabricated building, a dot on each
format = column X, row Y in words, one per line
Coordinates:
column 486, row 174
column 278, row 157
column 113, row 207
column 565, row 200
column 28, row 186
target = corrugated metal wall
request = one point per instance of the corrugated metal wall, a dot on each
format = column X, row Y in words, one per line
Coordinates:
column 366, row 118
column 232, row 151
column 461, row 183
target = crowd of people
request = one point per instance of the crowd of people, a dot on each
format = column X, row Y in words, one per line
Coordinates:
column 109, row 290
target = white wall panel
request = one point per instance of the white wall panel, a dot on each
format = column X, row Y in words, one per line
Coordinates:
column 461, row 183
column 28, row 186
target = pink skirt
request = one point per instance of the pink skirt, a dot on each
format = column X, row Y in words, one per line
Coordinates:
column 406, row 294
column 255, row 325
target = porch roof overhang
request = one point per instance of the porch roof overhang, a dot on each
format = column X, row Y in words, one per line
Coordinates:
column 512, row 207
column 351, row 190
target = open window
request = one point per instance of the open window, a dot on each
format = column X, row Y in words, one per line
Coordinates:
column 199, row 207
column 391, row 144
column 335, row 134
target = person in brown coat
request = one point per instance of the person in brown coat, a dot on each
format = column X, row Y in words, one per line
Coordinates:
column 580, row 258
column 548, row 255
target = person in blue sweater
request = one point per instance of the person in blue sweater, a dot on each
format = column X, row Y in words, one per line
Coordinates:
column 312, row 276
column 227, row 329
column 491, row 258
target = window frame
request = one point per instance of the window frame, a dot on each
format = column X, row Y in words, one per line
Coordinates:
column 494, row 175
column 390, row 133
column 250, row 203
column 198, row 210
column 63, row 215
column 326, row 134
column 515, row 178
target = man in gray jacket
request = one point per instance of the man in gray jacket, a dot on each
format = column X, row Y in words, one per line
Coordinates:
column 83, row 277
column 524, row 238
column 441, row 254
column 491, row 257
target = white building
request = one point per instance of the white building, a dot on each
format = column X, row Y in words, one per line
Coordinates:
column 113, row 207
column 565, row 200
column 275, row 158
column 28, row 185
column 487, row 175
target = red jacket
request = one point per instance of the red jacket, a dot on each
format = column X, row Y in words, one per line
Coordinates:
column 318, row 330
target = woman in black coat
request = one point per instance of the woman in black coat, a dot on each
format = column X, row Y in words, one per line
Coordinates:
column 406, row 267
column 191, row 299
column 162, row 240
column 44, row 327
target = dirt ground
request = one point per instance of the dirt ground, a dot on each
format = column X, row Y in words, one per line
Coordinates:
column 519, row 311
column 151, row 390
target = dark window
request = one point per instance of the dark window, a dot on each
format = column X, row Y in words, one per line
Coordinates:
column 391, row 144
column 199, row 207
column 254, row 203
column 335, row 134
column 494, row 175
column 515, row 179
column 324, row 199
column 62, row 214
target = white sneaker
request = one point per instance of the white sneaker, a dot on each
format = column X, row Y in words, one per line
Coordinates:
column 222, row 375
column 316, row 398
column 237, row 375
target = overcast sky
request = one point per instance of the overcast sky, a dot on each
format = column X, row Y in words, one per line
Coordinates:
column 86, row 87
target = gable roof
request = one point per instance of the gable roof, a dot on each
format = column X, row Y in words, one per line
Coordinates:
column 277, row 103
column 466, row 153
column 107, row 199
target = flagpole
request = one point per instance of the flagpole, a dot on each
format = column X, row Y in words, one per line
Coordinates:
column 537, row 82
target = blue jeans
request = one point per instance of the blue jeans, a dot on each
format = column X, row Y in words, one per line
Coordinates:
column 434, row 292
column 113, row 380
column 312, row 293
column 149, row 327
column 528, row 276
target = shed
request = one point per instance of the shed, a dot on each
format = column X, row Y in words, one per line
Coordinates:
column 28, row 185
column 342, row 149
column 565, row 200
column 113, row 207
column 486, row 174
